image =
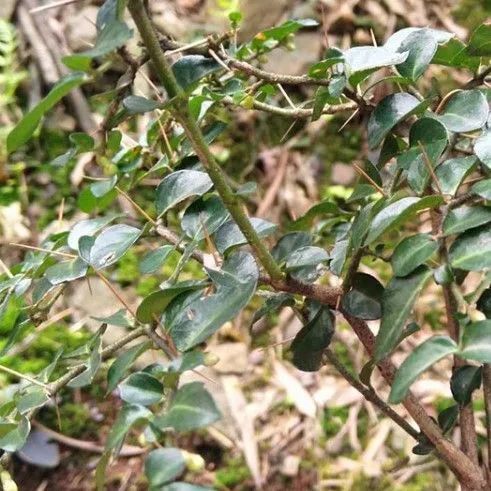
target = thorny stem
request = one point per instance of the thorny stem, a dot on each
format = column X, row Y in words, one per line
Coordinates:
column 180, row 111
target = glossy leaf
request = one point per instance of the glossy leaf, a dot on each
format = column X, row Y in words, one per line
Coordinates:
column 464, row 218
column 181, row 185
column 229, row 234
column 467, row 110
column 87, row 228
column 191, row 68
column 28, row 124
column 113, row 35
column 289, row 243
column 397, row 302
column 154, row 260
column 164, row 465
column 153, row 305
column 91, row 366
column 66, row 271
column 13, row 436
column 482, row 188
column 141, row 388
column 130, row 415
column 122, row 364
column 396, row 40
column 476, row 342
column 421, row 46
column 420, row 359
column 365, row 297
column 390, row 111
column 119, row 318
column 110, row 245
column 482, row 148
column 192, row 407
column 412, row 252
column 139, row 105
column 465, row 380
column 312, row 340
column 396, row 213
column 305, row 257
column 471, row 251
column 365, row 58
column 452, row 172
column 235, row 284
column 203, row 217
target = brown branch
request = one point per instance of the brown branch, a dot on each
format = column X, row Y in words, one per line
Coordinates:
column 486, row 383
column 370, row 395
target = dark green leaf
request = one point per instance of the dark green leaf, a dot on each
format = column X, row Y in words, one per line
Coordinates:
column 452, row 172
column 420, row 359
column 467, row 110
column 484, row 303
column 272, row 304
column 112, row 36
column 31, row 399
column 141, row 388
column 389, row 112
column 154, row 260
column 139, row 105
column 163, row 465
column 87, row 228
column 471, row 251
column 14, row 436
column 412, row 252
column 323, row 208
column 421, row 46
column 289, row 243
column 482, row 148
column 395, row 40
column 130, row 415
column 397, row 302
column 229, row 234
column 482, row 188
column 28, row 124
column 181, row 185
column 465, row 380
column 235, row 284
column 365, row 58
column 119, row 318
column 153, row 305
column 305, row 257
column 66, row 271
column 192, row 407
column 190, row 69
column 365, row 297
column 91, row 367
column 111, row 244
column 448, row 418
column 123, row 363
column 312, row 340
column 476, row 342
column 203, row 217
column 464, row 218
column 396, row 213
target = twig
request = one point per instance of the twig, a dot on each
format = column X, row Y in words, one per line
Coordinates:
column 22, row 376
column 429, row 166
column 370, row 395
column 272, row 191
column 126, row 450
column 369, row 179
column 486, row 383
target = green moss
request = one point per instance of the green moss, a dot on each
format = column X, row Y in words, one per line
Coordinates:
column 41, row 352
column 333, row 419
column 362, row 483
column 234, row 473
column 74, row 418
column 422, row 482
